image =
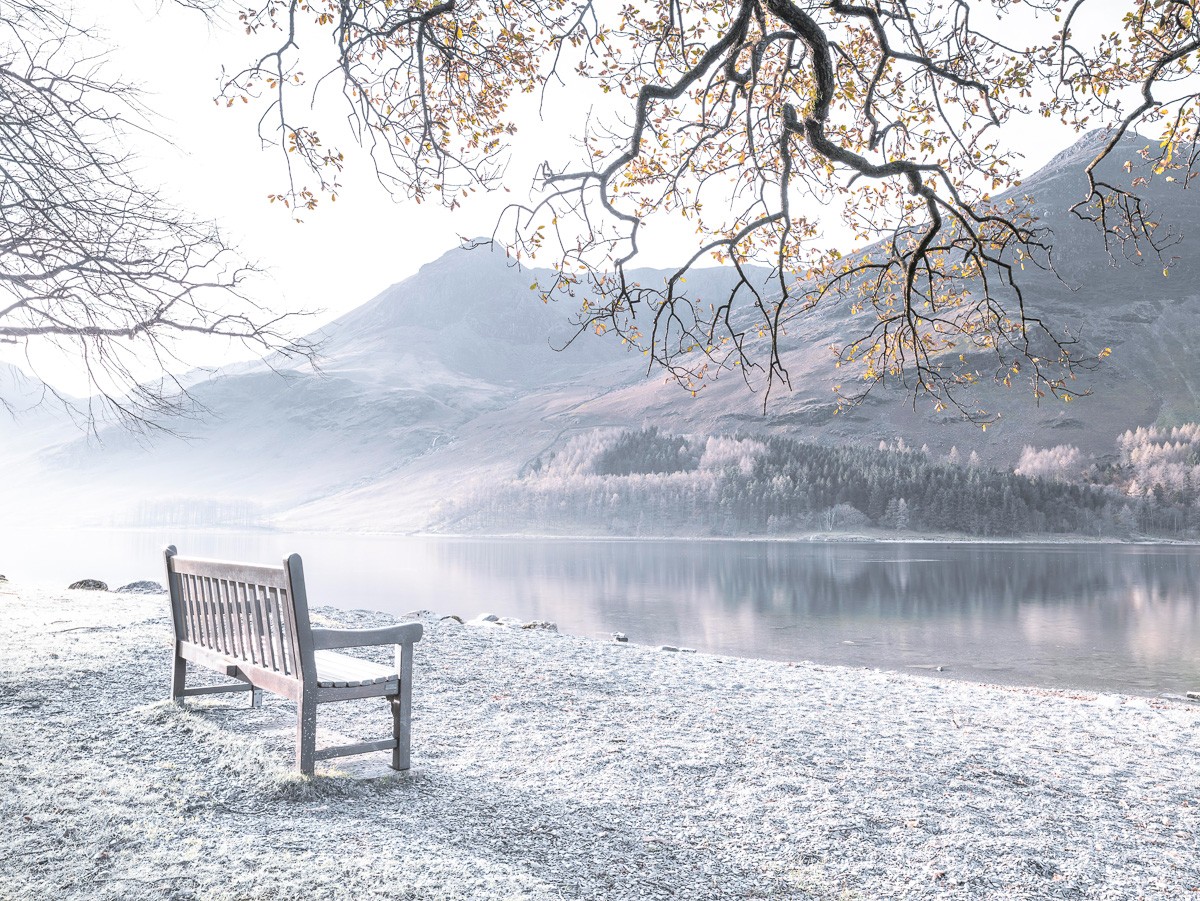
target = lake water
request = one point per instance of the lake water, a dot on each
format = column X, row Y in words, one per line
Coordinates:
column 1105, row 617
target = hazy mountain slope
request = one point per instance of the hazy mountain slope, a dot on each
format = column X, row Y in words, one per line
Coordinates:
column 468, row 315
column 18, row 392
column 450, row 381
column 399, row 378
column 31, row 417
column 1151, row 323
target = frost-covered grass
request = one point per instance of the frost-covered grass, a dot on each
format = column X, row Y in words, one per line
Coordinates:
column 547, row 766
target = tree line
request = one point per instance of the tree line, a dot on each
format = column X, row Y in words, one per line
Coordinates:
column 650, row 483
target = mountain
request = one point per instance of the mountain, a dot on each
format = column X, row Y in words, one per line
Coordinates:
column 458, row 377
column 413, row 373
column 31, row 416
column 1150, row 322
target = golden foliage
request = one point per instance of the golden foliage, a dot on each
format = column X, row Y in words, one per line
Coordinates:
column 754, row 121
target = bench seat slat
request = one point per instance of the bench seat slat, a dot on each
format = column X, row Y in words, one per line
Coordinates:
column 341, row 671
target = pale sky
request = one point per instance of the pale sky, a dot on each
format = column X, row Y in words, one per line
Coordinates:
column 343, row 254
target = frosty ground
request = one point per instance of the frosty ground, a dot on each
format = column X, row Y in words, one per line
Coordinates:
column 549, row 766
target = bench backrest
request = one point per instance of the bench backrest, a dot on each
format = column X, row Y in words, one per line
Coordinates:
column 257, row 615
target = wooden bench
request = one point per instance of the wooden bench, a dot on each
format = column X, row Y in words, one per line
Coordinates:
column 251, row 623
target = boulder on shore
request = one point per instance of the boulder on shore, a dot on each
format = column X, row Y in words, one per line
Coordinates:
column 143, row 587
column 89, row 585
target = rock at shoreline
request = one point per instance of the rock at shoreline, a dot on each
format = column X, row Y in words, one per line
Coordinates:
column 3, row 579
column 143, row 587
column 491, row 619
column 620, row 636
column 668, row 647
column 89, row 585
column 454, row 617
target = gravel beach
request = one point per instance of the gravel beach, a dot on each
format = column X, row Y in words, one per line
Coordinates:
column 549, row 766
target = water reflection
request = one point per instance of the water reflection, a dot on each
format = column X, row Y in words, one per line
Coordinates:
column 1108, row 617
column 1123, row 618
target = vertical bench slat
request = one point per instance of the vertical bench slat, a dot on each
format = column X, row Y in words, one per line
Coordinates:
column 207, row 614
column 239, row 612
column 255, row 623
column 220, row 633
column 278, row 635
column 243, row 609
column 213, row 593
column 230, row 615
column 193, row 616
column 220, row 637
column 289, row 621
column 198, row 635
column 264, row 627
column 253, row 626
column 288, row 628
column 212, row 611
column 198, row 606
column 273, row 622
column 186, row 603
column 264, row 611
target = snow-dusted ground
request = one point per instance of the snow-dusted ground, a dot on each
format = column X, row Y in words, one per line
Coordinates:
column 547, row 766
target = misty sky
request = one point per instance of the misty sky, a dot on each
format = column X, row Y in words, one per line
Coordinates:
column 350, row 250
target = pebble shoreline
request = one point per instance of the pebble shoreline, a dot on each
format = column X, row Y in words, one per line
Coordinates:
column 551, row 766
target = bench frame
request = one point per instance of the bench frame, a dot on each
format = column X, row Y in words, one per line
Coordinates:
column 251, row 623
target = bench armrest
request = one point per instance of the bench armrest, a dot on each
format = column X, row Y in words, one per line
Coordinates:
column 403, row 633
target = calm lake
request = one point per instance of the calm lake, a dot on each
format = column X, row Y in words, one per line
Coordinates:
column 1107, row 617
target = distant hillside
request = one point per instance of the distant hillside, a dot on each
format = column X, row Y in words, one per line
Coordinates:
column 1151, row 323
column 453, row 382
column 645, row 482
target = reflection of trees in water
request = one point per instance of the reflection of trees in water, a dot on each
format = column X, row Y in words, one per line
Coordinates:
column 1107, row 617
column 887, row 581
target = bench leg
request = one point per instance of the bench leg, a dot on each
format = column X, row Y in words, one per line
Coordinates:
column 400, row 731
column 178, row 674
column 306, row 732
column 402, row 709
column 255, row 697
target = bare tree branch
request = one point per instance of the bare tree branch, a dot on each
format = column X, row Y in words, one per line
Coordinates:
column 91, row 261
column 754, row 121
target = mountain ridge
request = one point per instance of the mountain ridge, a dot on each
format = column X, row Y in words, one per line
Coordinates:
column 449, row 380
